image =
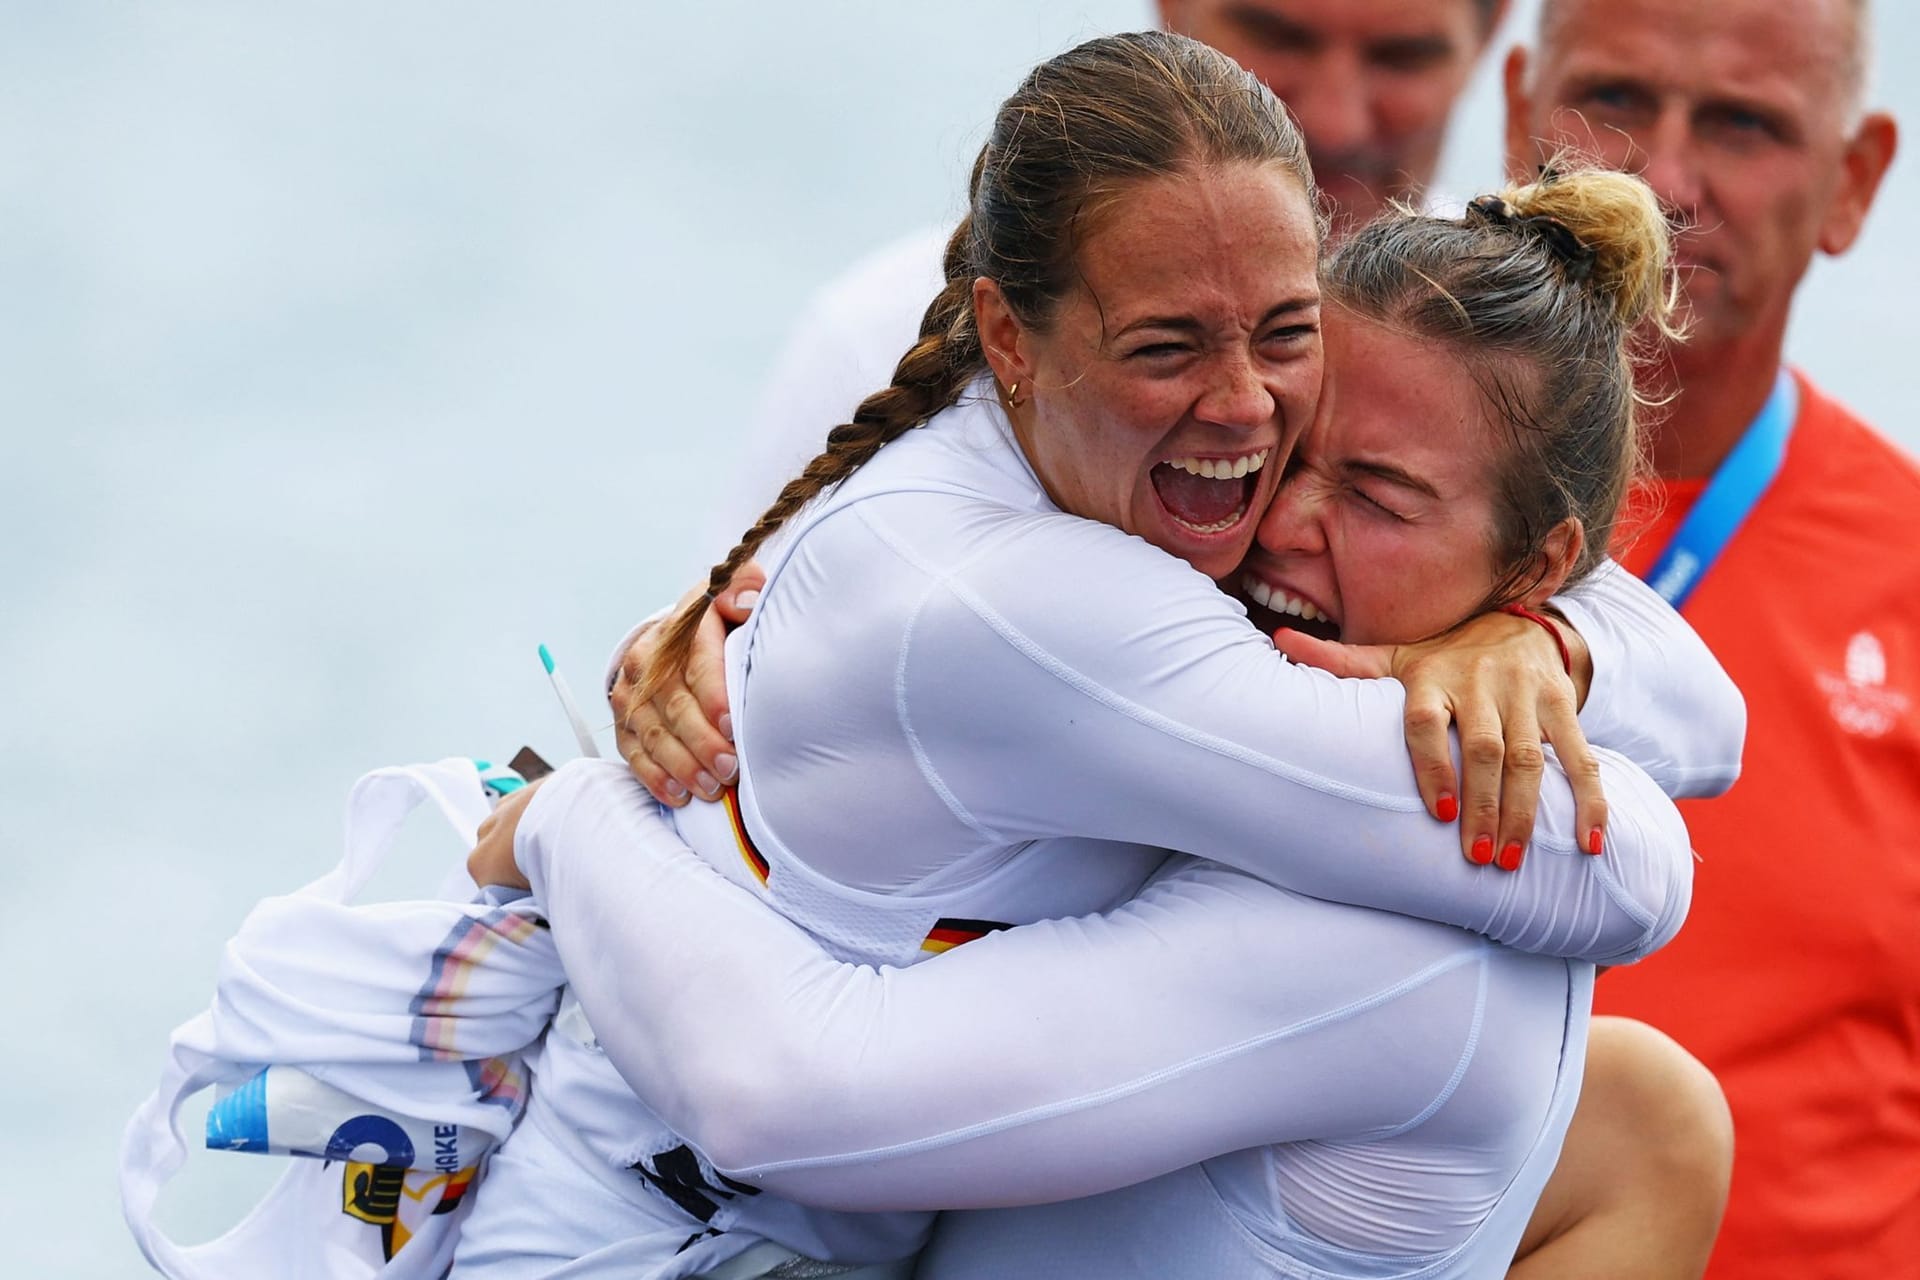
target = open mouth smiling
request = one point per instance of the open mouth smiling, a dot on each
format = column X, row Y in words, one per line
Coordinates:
column 1208, row 496
column 1272, row 608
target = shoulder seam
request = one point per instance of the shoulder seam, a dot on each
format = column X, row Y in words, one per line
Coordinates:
column 928, row 771
column 1467, row 1052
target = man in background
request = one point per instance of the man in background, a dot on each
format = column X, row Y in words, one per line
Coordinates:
column 1797, row 978
column 1371, row 82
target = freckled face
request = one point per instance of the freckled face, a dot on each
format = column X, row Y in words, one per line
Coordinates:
column 1382, row 529
column 1184, row 364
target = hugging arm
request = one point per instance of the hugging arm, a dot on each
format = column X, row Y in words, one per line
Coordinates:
column 1191, row 734
column 1156, row 717
column 1659, row 697
column 1002, row 1072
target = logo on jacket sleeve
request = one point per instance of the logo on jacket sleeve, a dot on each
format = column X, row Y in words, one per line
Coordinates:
column 1860, row 699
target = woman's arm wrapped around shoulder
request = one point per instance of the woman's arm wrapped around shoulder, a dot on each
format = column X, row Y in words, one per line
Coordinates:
column 1092, row 713
column 1210, row 1014
column 1659, row 696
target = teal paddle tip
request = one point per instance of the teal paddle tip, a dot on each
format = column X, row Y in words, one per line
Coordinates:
column 546, row 659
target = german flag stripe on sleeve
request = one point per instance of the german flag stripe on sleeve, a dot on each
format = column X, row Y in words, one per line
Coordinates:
column 755, row 863
column 949, row 932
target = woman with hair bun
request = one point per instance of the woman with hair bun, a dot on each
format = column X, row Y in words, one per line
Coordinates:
column 984, row 688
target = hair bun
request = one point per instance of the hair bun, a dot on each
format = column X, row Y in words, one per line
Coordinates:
column 1575, row 254
column 1609, row 230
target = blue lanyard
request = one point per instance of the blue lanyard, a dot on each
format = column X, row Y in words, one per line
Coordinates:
column 1729, row 497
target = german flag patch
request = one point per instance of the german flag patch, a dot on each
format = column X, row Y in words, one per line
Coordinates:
column 949, row 932
column 755, row 863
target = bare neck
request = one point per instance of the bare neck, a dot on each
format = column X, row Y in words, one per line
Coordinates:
column 1716, row 392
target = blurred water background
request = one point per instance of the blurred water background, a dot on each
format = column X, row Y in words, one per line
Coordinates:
column 350, row 351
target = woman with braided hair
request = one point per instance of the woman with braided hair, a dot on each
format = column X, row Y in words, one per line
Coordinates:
column 984, row 687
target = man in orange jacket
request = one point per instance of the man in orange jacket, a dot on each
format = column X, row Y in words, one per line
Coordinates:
column 1788, row 533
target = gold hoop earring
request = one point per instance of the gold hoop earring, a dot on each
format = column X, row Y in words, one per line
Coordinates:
column 1013, row 396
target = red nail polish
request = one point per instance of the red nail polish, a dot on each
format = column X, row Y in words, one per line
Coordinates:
column 1510, row 857
column 1593, row 841
column 1482, row 851
column 1449, row 808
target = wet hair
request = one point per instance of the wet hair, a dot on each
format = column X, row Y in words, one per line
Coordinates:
column 1077, row 134
column 1545, row 293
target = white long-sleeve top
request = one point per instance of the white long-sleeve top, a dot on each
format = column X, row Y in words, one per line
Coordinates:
column 956, row 701
column 944, row 668
column 1406, row 1084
